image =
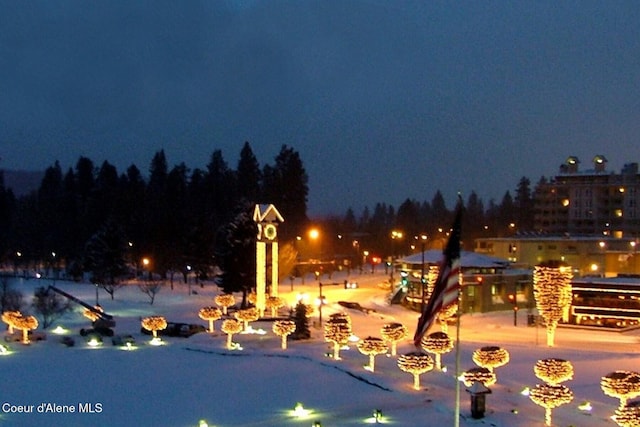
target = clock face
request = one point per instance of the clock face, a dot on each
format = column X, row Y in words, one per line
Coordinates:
column 270, row 232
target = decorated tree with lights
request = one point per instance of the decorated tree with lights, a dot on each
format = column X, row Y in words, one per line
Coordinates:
column 210, row 314
column 247, row 315
column 372, row 346
column 9, row 317
column 392, row 333
column 479, row 374
column 490, row 357
column 25, row 324
column 552, row 293
column 92, row 315
column 274, row 303
column 437, row 343
column 337, row 330
column 415, row 363
column 231, row 327
column 445, row 315
column 622, row 385
column 154, row 324
column 629, row 415
column 553, row 371
column 225, row 301
column 284, row 328
column 550, row 396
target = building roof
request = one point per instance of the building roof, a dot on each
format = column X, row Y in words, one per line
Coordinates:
column 607, row 281
column 467, row 259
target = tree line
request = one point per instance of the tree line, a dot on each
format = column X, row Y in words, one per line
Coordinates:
column 95, row 219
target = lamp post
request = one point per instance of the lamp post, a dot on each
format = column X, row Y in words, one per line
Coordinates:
column 395, row 235
column 145, row 266
column 423, row 241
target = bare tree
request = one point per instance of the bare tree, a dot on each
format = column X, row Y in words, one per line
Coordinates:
column 150, row 288
column 10, row 299
column 49, row 305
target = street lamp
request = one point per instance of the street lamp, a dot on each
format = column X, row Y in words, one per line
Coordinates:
column 146, row 262
column 395, row 235
column 423, row 241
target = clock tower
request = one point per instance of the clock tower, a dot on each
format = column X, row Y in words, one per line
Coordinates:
column 267, row 219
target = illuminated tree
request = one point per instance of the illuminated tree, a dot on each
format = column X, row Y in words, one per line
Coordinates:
column 479, row 374
column 210, row 314
column 154, row 324
column 623, row 385
column 445, row 315
column 92, row 315
column 26, row 324
column 392, row 333
column 274, row 303
column 490, row 357
column 247, row 315
column 337, row 330
column 629, row 415
column 553, row 371
column 9, row 317
column 437, row 343
column 231, row 327
column 415, row 363
column 549, row 397
column 252, row 298
column 372, row 346
column 552, row 292
column 225, row 301
column 283, row 328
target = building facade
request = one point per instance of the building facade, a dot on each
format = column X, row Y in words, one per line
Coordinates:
column 605, row 302
column 592, row 201
column 588, row 255
column 488, row 283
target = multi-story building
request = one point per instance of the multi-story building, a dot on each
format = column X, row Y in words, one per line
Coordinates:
column 593, row 201
column 603, row 256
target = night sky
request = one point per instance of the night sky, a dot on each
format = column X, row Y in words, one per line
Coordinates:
column 384, row 100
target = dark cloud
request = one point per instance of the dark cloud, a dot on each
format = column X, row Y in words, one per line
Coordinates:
column 383, row 99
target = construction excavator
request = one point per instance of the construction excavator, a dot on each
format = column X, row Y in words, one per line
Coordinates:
column 103, row 324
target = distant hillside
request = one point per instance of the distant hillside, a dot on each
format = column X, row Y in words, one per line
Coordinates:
column 22, row 182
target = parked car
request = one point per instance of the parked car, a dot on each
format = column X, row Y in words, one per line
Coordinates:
column 68, row 341
column 123, row 340
column 174, row 329
column 106, row 332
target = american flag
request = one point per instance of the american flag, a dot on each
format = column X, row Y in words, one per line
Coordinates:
column 445, row 291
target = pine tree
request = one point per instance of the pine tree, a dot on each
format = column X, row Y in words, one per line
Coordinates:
column 235, row 253
column 302, row 331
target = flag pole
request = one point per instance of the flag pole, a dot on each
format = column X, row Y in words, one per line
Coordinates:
column 456, row 421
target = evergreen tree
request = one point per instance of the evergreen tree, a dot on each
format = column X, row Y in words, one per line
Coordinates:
column 105, row 257
column 248, row 175
column 301, row 320
column 523, row 205
column 408, row 218
column 7, row 207
column 473, row 220
column 286, row 186
column 235, row 253
column 157, row 212
column 219, row 190
column 440, row 213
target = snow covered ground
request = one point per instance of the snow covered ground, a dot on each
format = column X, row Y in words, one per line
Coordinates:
column 188, row 381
